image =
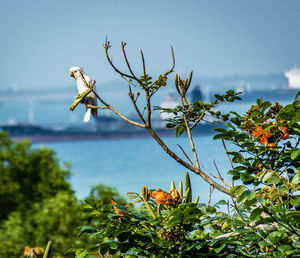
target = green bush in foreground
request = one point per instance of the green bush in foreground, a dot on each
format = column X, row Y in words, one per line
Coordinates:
column 37, row 202
column 262, row 218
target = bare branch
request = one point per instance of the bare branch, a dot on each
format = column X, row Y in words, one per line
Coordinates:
column 123, row 44
column 96, row 107
column 220, row 176
column 197, row 171
column 185, row 154
column 117, row 112
column 211, row 189
column 79, row 99
column 227, row 154
column 209, row 173
column 131, row 95
column 198, row 119
column 106, row 47
column 188, row 130
column 173, row 61
column 148, row 108
column 225, row 148
column 144, row 109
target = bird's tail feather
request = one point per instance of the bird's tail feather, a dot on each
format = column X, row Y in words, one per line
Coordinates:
column 94, row 112
column 87, row 115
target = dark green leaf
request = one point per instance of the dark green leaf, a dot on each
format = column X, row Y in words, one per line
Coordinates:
column 255, row 214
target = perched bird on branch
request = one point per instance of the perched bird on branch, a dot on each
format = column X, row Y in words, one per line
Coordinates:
column 83, row 83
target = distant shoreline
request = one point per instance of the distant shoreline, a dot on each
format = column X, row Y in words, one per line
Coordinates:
column 72, row 137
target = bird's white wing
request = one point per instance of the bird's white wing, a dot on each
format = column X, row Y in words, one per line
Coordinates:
column 82, row 83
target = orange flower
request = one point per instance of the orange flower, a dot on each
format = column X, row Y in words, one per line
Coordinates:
column 259, row 167
column 160, row 196
column 117, row 210
column 284, row 135
column 271, row 145
column 264, row 139
column 257, row 132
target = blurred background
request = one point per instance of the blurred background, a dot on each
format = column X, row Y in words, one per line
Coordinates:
column 248, row 46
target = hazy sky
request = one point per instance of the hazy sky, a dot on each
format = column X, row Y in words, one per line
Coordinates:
column 42, row 39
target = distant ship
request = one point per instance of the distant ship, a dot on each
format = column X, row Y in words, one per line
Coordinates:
column 293, row 76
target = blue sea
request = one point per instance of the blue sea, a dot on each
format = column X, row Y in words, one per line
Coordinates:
column 129, row 164
column 126, row 164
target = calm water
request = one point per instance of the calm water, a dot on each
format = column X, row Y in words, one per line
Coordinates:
column 130, row 164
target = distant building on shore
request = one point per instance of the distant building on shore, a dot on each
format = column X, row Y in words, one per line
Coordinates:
column 196, row 94
column 293, row 76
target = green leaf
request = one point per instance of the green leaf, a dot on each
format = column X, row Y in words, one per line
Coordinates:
column 85, row 229
column 242, row 230
column 266, row 105
column 221, row 136
column 237, row 190
column 255, row 113
column 250, row 195
column 296, row 178
column 219, row 249
column 259, row 101
column 88, row 206
column 221, row 130
column 255, row 214
column 188, row 188
column 297, row 243
column 219, row 97
column 295, row 154
column 284, row 248
column 179, row 130
column 294, row 215
column 267, row 175
column 297, row 95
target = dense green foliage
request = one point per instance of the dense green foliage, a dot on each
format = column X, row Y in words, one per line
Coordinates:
column 263, row 217
column 28, row 175
column 37, row 202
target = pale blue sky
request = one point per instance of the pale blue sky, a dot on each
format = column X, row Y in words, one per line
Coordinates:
column 42, row 39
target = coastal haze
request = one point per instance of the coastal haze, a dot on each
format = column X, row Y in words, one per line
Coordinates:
column 242, row 45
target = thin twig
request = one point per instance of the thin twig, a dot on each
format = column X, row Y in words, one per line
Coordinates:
column 147, row 126
column 117, row 112
column 197, row 171
column 228, row 208
column 211, row 189
column 227, row 153
column 148, row 104
column 220, row 176
column 186, row 155
column 131, row 95
column 143, row 111
column 173, row 61
column 237, row 209
column 209, row 173
column 198, row 119
column 106, row 47
column 123, row 44
column 225, row 148
column 96, row 107
column 188, row 130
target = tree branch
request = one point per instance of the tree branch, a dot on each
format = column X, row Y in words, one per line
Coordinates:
column 197, row 171
column 116, row 111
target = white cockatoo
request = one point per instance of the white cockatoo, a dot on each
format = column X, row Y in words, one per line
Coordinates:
column 83, row 82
